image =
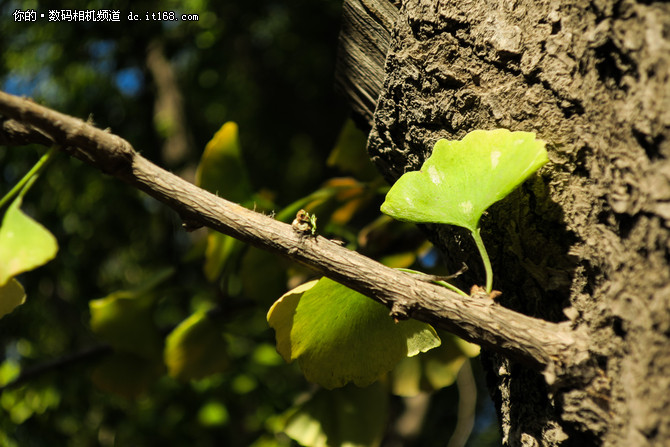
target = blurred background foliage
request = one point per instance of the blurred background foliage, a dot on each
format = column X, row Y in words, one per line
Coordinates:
column 90, row 377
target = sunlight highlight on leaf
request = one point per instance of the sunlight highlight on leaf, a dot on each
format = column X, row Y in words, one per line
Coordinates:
column 222, row 172
column 461, row 179
column 24, row 243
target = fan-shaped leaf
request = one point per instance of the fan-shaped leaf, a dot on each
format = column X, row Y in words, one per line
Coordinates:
column 346, row 417
column 221, row 170
column 461, row 179
column 434, row 369
column 195, row 348
column 125, row 319
column 24, row 243
column 338, row 335
column 12, row 295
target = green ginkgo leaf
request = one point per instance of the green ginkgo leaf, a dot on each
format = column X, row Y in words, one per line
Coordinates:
column 126, row 322
column 12, row 295
column 222, row 171
column 220, row 250
column 433, row 370
column 125, row 319
column 24, row 243
column 195, row 348
column 338, row 335
column 346, row 417
column 461, row 179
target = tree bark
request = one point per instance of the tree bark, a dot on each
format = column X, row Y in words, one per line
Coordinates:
column 588, row 239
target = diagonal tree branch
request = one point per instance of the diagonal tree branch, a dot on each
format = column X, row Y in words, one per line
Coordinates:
column 558, row 350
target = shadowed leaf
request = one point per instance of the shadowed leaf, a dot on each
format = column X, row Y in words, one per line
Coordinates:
column 346, row 417
column 434, row 369
column 124, row 319
column 195, row 349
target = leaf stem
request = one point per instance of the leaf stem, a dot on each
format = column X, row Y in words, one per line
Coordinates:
column 26, row 182
column 451, row 287
column 485, row 258
column 431, row 278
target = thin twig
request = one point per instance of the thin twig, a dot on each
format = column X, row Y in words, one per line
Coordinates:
column 58, row 364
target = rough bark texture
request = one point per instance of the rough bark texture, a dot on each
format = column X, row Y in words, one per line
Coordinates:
column 588, row 238
column 364, row 41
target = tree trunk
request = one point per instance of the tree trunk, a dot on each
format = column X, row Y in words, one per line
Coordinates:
column 587, row 239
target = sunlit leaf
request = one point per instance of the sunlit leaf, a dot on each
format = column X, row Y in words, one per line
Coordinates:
column 346, row 417
column 195, row 349
column 434, row 369
column 24, row 243
column 126, row 374
column 221, row 170
column 338, row 335
column 9, row 370
column 461, row 179
column 265, row 354
column 12, row 295
column 333, row 194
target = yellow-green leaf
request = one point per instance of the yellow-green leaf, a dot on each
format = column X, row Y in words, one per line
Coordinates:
column 12, row 295
column 461, row 179
column 346, row 417
column 338, row 335
column 220, row 250
column 195, row 349
column 124, row 319
column 434, row 369
column 221, row 169
column 24, row 243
